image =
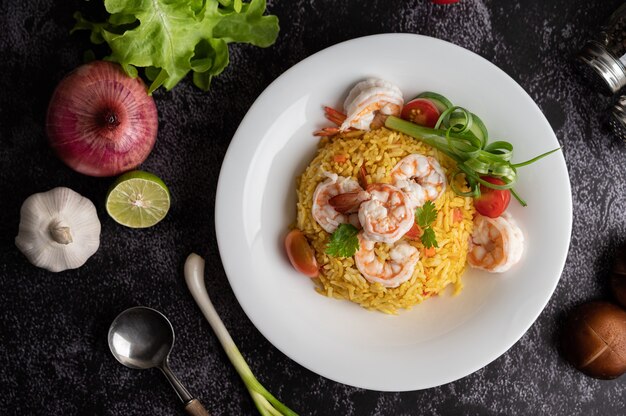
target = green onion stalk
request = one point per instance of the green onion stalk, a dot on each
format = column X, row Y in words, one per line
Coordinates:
column 265, row 402
column 462, row 136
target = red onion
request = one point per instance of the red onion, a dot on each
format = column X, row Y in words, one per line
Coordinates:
column 101, row 122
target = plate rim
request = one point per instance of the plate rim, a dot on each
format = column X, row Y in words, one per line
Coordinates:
column 230, row 157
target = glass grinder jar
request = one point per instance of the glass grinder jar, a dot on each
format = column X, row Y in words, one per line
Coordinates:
column 604, row 57
column 603, row 63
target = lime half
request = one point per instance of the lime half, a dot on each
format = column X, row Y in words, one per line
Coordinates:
column 138, row 199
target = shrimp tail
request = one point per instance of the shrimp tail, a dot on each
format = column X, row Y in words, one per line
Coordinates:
column 348, row 202
column 379, row 120
column 335, row 116
column 327, row 131
column 363, row 177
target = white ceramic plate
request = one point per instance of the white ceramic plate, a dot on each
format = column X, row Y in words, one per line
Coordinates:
column 444, row 338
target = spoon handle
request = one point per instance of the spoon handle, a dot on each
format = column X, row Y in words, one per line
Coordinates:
column 195, row 408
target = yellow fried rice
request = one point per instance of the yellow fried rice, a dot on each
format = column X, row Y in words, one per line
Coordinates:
column 380, row 150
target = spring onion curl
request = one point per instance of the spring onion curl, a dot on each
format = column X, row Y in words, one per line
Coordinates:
column 463, row 136
column 267, row 404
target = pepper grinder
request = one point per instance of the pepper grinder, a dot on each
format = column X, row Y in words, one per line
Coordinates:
column 617, row 118
column 604, row 56
column 603, row 63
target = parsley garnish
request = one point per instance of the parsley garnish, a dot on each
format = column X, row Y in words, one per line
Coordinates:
column 426, row 214
column 424, row 217
column 343, row 241
column 429, row 239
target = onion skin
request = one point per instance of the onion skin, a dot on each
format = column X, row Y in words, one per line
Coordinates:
column 618, row 276
column 100, row 121
column 594, row 340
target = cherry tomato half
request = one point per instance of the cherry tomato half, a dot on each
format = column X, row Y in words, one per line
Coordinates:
column 421, row 111
column 492, row 202
column 300, row 253
column 415, row 233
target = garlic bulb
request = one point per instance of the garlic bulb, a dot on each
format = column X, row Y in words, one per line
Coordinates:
column 59, row 229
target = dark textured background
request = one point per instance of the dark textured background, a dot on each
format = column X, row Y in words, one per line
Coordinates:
column 53, row 353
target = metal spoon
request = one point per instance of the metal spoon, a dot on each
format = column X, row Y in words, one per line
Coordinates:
column 142, row 338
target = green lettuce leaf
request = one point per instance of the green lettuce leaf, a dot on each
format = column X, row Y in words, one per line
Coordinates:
column 170, row 38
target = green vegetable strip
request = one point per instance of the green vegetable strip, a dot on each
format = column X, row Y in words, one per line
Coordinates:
column 472, row 193
column 534, row 159
column 519, row 199
column 265, row 402
column 256, row 389
column 453, row 136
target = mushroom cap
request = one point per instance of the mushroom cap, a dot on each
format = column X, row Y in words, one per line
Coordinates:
column 594, row 339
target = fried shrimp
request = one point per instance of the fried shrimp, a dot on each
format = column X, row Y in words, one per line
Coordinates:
column 421, row 177
column 496, row 244
column 323, row 212
column 366, row 99
column 390, row 273
column 387, row 215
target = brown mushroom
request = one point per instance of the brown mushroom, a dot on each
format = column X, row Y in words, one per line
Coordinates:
column 618, row 276
column 594, row 339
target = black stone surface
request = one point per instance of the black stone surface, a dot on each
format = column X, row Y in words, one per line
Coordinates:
column 53, row 353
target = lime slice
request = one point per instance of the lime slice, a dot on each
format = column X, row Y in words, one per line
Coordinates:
column 138, row 199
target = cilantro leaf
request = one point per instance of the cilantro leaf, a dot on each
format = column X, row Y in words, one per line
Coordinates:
column 429, row 239
column 343, row 242
column 426, row 214
column 424, row 217
column 172, row 38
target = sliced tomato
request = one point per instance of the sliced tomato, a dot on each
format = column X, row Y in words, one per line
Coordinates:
column 415, row 233
column 421, row 111
column 492, row 202
column 300, row 253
